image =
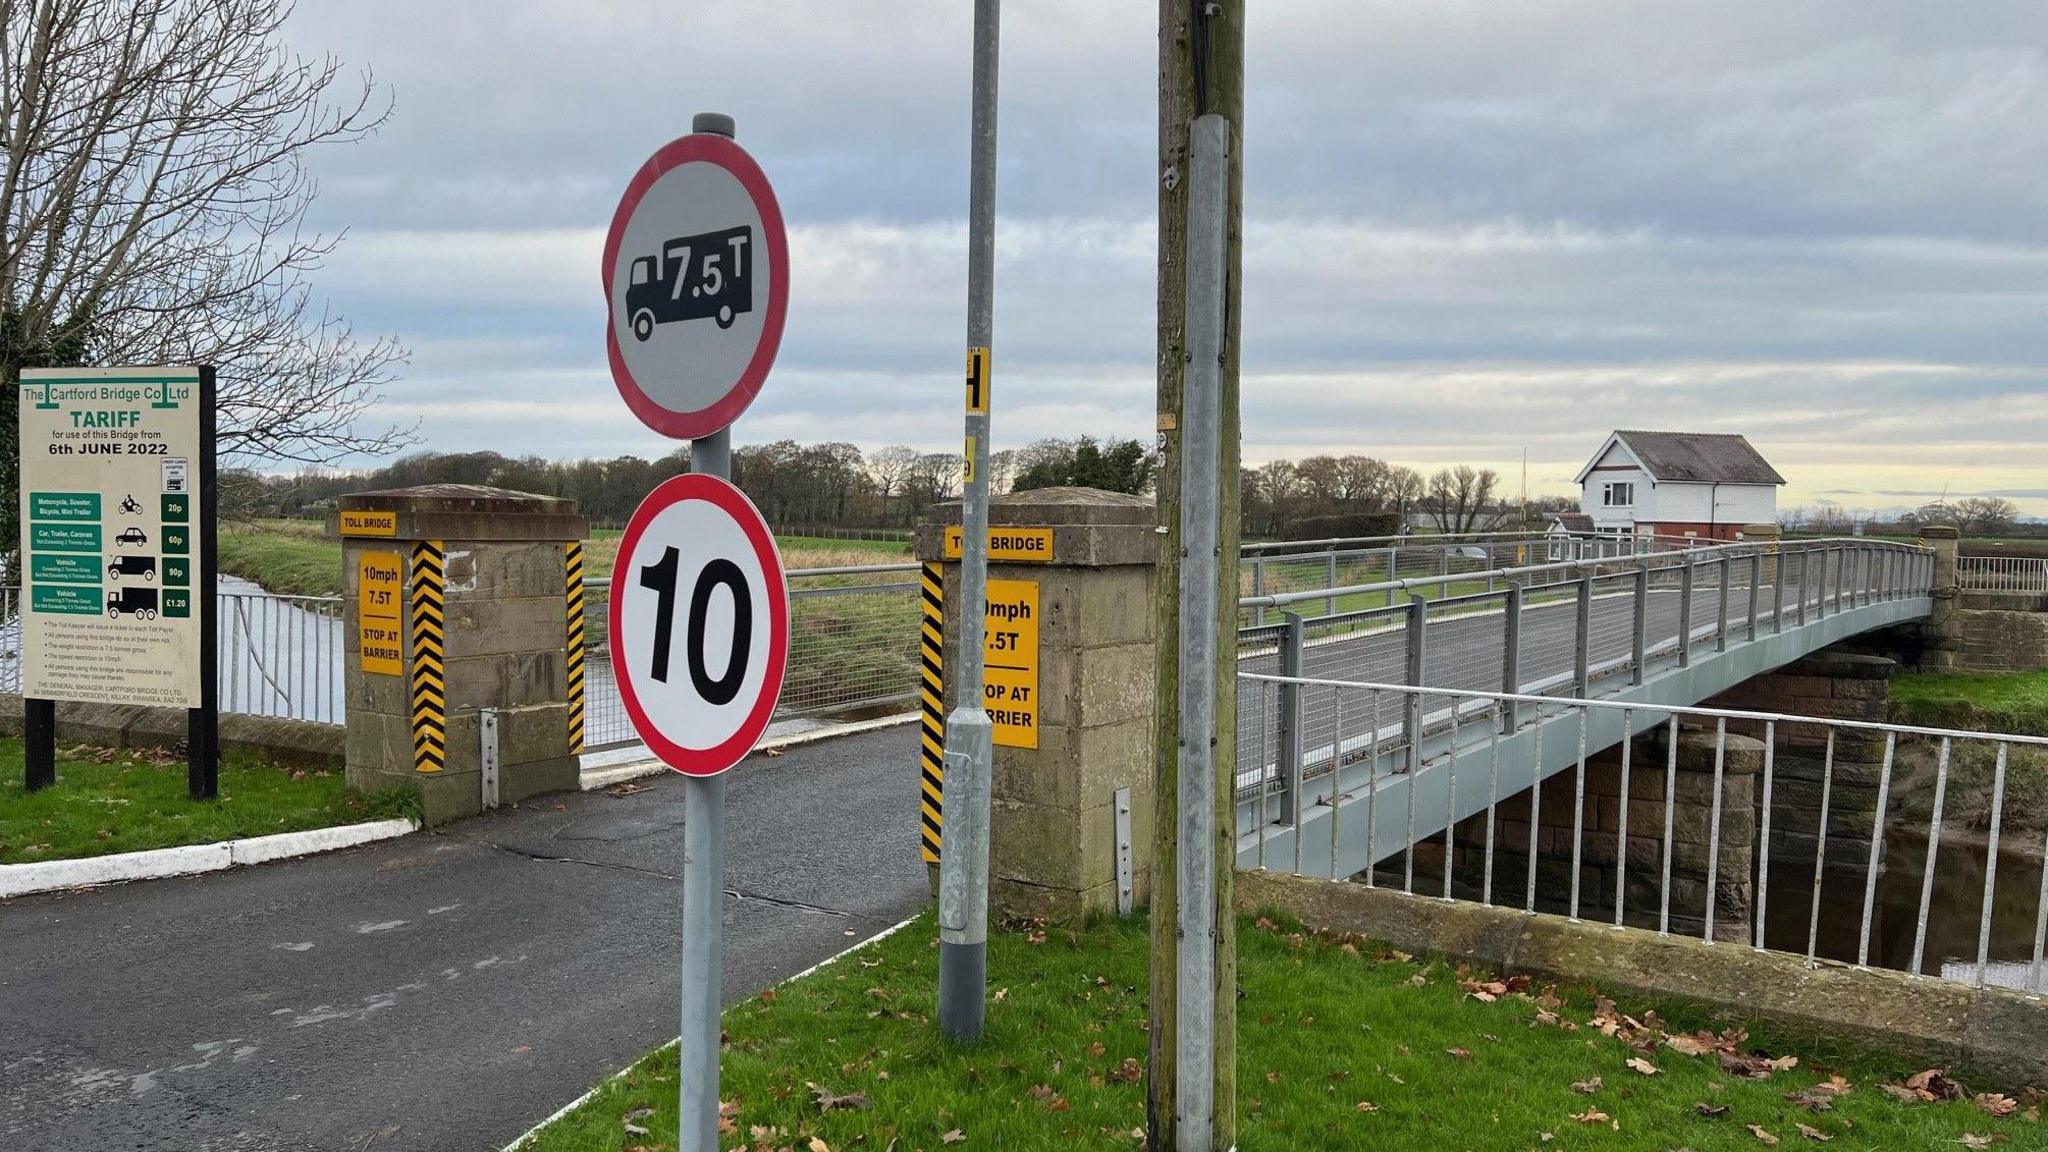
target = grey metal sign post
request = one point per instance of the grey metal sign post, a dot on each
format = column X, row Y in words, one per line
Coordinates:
column 963, row 859
column 1200, row 529
column 696, row 273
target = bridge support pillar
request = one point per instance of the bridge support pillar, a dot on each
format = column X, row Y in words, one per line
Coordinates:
column 1071, row 798
column 1942, row 632
column 456, row 603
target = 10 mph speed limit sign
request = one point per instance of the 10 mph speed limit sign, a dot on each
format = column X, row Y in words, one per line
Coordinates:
column 699, row 624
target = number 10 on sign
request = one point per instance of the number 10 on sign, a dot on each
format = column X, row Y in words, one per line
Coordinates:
column 699, row 624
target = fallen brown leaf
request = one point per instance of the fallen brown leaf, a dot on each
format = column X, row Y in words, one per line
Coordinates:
column 1638, row 1064
column 1993, row 1104
column 1367, row 1106
column 1708, row 1111
column 954, row 1136
column 1592, row 1116
column 1757, row 1130
column 1586, row 1087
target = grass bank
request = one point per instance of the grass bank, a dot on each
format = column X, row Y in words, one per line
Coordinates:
column 1340, row 1045
column 106, row 801
column 1983, row 702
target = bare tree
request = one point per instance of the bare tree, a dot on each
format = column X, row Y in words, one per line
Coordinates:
column 1986, row 515
column 154, row 192
column 1461, row 499
column 890, row 467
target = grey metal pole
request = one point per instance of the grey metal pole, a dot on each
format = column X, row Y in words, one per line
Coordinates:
column 1288, row 728
column 1511, row 656
column 1639, row 634
column 1201, row 546
column 963, row 866
column 703, row 871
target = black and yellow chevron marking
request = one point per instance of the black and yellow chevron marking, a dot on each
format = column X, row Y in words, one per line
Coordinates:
column 573, row 589
column 931, row 695
column 429, row 685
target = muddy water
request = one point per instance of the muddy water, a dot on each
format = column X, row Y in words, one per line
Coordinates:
column 1954, row 911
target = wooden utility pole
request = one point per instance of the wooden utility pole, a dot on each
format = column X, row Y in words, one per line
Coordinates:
column 1201, row 71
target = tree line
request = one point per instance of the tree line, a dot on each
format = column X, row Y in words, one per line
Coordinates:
column 840, row 485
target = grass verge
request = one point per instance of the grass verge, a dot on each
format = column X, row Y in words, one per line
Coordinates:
column 1339, row 1046
column 106, row 801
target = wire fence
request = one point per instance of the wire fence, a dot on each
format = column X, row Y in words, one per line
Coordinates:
column 1923, row 850
column 853, row 648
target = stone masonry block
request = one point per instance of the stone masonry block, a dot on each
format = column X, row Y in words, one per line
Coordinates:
column 505, row 571
column 510, row 680
column 1087, row 687
column 1076, row 768
column 377, row 743
column 498, row 627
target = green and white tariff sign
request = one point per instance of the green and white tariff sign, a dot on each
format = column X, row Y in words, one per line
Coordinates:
column 110, row 535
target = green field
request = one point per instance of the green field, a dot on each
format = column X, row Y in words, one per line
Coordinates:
column 1340, row 1045
column 107, row 801
column 298, row 558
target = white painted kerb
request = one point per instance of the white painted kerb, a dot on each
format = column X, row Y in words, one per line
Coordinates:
column 52, row 875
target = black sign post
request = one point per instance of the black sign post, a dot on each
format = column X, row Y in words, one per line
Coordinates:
column 202, row 724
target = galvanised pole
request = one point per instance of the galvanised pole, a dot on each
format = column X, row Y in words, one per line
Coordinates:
column 703, row 962
column 1201, row 549
column 963, row 866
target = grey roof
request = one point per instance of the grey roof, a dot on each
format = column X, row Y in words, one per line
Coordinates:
column 1700, row 457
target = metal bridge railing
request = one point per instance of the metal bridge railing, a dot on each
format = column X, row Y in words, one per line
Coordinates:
column 1933, row 887
column 1563, row 628
column 1333, row 566
column 2002, row 574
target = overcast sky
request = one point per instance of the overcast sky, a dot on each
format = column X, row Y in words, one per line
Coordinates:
column 1471, row 228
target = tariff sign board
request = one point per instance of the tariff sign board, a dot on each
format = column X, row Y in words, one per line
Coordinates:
column 1009, row 692
column 112, row 597
column 380, row 625
column 699, row 624
column 696, row 281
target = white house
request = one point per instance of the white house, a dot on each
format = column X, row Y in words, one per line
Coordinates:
column 1687, row 484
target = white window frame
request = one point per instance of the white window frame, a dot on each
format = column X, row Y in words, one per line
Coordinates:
column 1608, row 494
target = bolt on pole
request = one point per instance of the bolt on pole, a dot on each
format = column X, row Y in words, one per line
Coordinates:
column 963, row 863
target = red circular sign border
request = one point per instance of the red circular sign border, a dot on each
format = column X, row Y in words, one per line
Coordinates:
column 675, row 490
column 707, row 148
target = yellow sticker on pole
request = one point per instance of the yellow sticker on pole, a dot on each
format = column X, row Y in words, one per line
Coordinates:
column 1009, row 692
column 977, row 381
column 380, row 626
column 967, row 467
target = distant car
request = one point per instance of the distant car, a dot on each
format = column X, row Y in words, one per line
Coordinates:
column 1469, row 551
column 131, row 535
column 143, row 566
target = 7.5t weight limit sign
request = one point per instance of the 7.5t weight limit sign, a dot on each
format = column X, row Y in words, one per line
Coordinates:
column 699, row 623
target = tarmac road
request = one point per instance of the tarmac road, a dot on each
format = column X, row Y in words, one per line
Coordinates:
column 444, row 990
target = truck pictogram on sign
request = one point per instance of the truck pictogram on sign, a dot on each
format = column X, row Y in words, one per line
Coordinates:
column 709, row 275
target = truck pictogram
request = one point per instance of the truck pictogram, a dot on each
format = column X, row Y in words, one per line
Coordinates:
column 708, row 275
column 143, row 566
column 140, row 602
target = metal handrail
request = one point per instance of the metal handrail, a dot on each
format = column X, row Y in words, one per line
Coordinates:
column 1642, row 706
column 1655, row 561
